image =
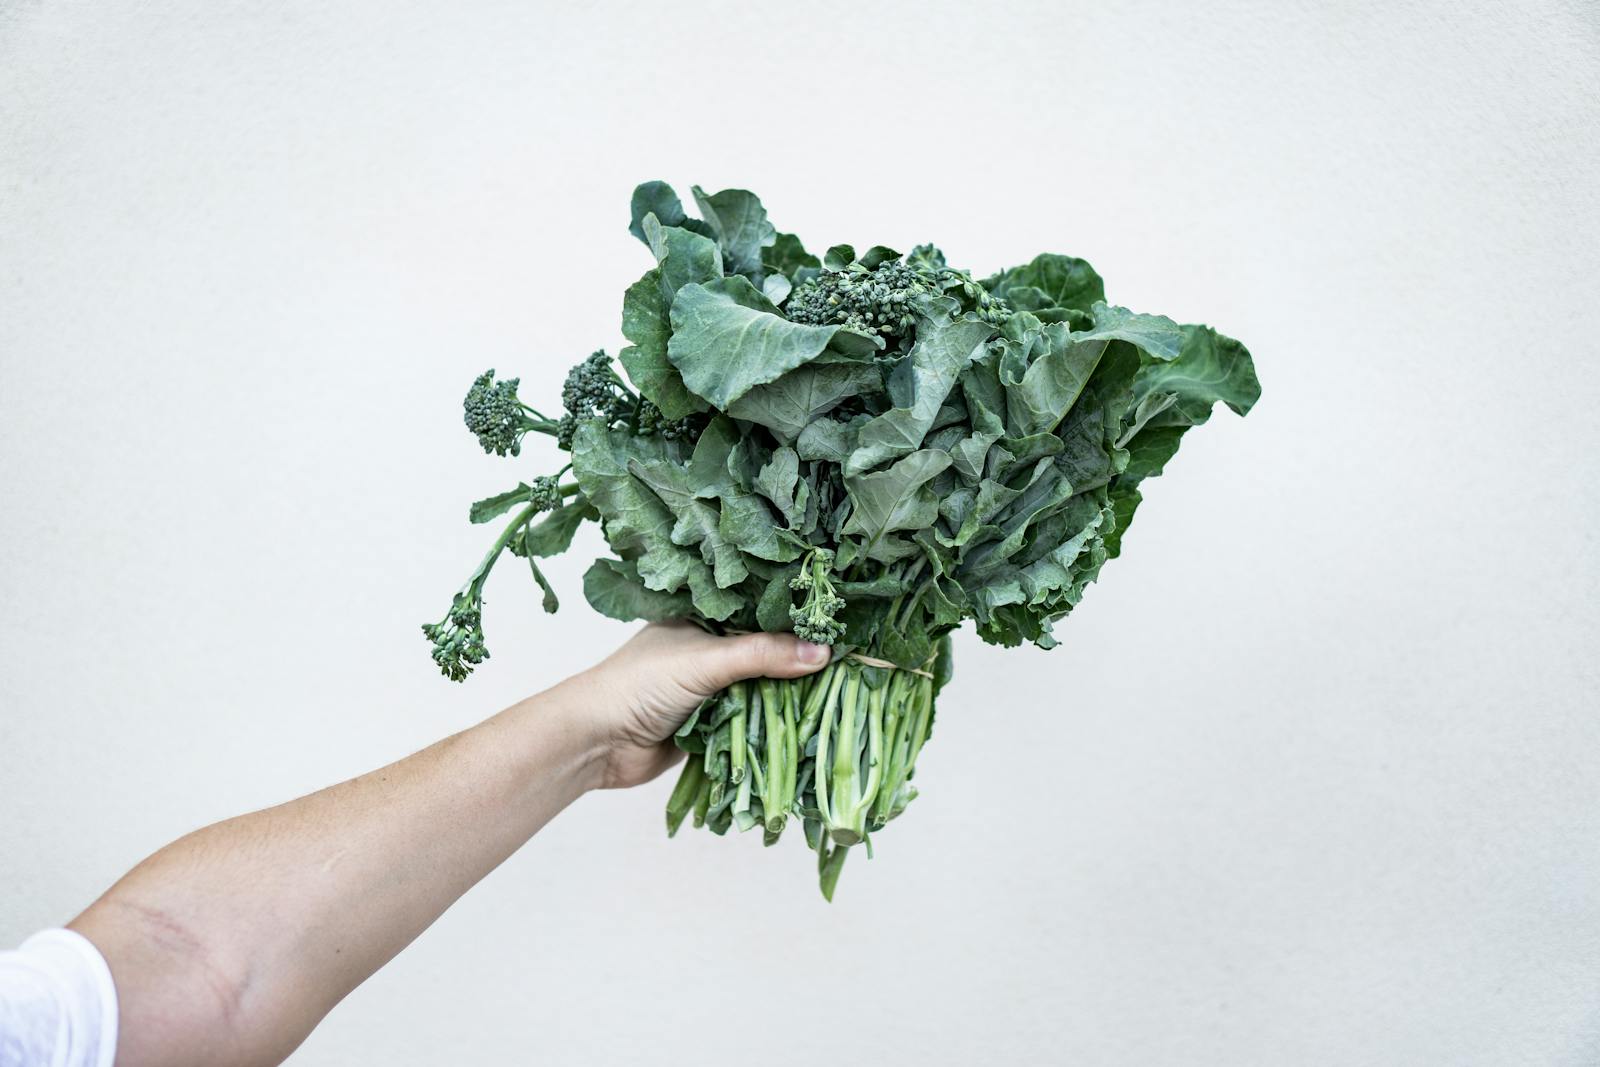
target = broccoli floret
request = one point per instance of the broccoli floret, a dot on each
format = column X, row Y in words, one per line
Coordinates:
column 884, row 300
column 975, row 299
column 929, row 262
column 565, row 431
column 814, row 619
column 497, row 418
column 593, row 390
column 649, row 420
column 878, row 301
column 458, row 637
column 545, row 493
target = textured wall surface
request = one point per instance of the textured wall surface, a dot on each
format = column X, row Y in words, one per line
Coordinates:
column 1312, row 778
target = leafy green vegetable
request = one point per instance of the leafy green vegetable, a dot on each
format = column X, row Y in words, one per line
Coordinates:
column 866, row 449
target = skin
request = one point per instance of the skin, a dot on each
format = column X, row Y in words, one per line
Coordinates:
column 229, row 945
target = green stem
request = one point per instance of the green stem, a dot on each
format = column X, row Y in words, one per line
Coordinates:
column 474, row 586
column 544, row 426
column 830, row 861
column 702, row 802
column 899, row 712
column 820, row 762
column 756, row 770
column 791, row 748
column 820, row 696
column 736, row 747
column 684, row 793
column 774, row 804
column 846, row 761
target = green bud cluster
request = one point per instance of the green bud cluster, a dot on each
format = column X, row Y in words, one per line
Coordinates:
column 884, row 300
column 593, row 391
column 565, row 430
column 879, row 301
column 975, row 299
column 458, row 637
column 545, row 493
column 815, row 617
column 648, row 420
column 494, row 415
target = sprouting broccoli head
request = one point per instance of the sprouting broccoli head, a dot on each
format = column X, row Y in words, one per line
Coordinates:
column 815, row 617
column 495, row 416
column 544, row 493
column 458, row 637
column 594, row 390
column 648, row 420
column 884, row 300
column 878, row 301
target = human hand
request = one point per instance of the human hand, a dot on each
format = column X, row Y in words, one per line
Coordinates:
column 638, row 696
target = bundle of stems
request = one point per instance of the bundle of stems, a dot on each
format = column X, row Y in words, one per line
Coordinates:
column 836, row 750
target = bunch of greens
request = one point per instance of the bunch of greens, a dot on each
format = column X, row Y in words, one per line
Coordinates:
column 866, row 449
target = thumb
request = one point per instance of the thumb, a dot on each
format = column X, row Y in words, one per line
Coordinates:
column 764, row 655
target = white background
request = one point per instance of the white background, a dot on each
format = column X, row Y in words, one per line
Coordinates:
column 1312, row 779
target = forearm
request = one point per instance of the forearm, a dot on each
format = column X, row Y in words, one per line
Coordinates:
column 229, row 945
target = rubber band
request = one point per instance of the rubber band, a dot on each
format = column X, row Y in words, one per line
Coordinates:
column 872, row 661
column 868, row 661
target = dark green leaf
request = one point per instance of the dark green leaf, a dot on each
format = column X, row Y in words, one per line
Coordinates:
column 552, row 535
column 1209, row 368
column 551, row 603
column 637, row 525
column 839, row 257
column 941, row 351
column 877, row 255
column 895, row 499
column 740, row 224
column 779, row 481
column 645, row 322
column 684, row 257
column 614, row 589
column 727, row 338
column 772, row 612
column 787, row 256
column 495, row 506
column 794, row 401
column 1060, row 281
column 658, row 199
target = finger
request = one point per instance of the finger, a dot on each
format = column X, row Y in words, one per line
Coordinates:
column 732, row 659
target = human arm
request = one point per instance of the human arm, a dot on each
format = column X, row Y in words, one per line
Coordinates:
column 229, row 945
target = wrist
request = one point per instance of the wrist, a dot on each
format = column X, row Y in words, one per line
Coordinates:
column 567, row 713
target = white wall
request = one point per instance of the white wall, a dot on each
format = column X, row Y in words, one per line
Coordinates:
column 1313, row 777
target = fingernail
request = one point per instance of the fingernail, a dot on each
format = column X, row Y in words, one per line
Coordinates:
column 811, row 652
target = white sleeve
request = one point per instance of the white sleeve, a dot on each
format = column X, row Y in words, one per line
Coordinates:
column 58, row 1007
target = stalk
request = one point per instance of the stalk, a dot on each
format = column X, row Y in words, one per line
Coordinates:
column 702, row 802
column 684, row 793
column 736, row 745
column 846, row 761
column 830, row 861
column 774, row 796
column 818, row 697
column 791, row 751
column 900, row 715
column 874, row 756
column 741, row 761
column 820, row 762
